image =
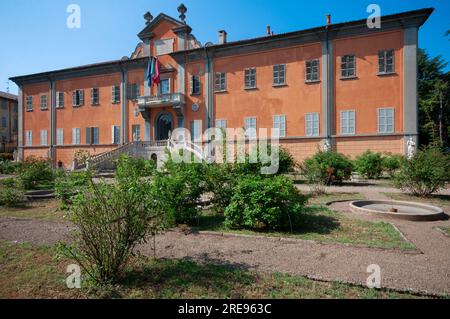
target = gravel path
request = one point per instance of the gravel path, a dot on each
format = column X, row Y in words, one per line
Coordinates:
column 427, row 270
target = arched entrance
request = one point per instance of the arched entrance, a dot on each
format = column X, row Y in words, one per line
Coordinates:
column 163, row 125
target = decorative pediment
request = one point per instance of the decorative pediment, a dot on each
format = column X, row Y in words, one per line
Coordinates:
column 178, row 26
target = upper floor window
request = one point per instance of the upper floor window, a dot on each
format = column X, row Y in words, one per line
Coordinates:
column 95, row 96
column 386, row 62
column 386, row 120
column 29, row 103
column 250, row 78
column 312, row 124
column 312, row 71
column 59, row 100
column 221, row 124
column 279, row 74
column 164, row 46
column 221, row 82
column 44, row 105
column 136, row 132
column 348, row 66
column 133, row 91
column 164, row 86
column 115, row 94
column 348, row 122
column 77, row 98
column 279, row 122
column 250, row 127
column 4, row 121
column 195, row 85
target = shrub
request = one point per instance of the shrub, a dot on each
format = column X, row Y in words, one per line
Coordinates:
column 11, row 194
column 220, row 180
column 36, row 173
column 8, row 167
column 426, row 173
column 68, row 184
column 327, row 168
column 265, row 203
column 6, row 157
column 128, row 167
column 369, row 164
column 111, row 220
column 392, row 163
column 177, row 190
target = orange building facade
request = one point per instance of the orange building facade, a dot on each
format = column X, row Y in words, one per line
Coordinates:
column 341, row 86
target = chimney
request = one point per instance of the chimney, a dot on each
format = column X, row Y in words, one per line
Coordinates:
column 222, row 37
column 328, row 19
column 268, row 32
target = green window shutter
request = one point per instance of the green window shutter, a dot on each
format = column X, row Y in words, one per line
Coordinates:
column 88, row 135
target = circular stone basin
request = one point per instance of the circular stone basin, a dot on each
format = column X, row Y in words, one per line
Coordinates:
column 40, row 194
column 404, row 210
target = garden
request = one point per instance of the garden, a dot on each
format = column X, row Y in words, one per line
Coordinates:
column 114, row 219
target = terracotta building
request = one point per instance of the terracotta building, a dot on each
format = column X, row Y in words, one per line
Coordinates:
column 8, row 122
column 345, row 86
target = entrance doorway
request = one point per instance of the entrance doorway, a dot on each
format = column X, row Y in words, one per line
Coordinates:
column 164, row 125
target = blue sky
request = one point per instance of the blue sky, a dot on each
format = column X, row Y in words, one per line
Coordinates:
column 35, row 37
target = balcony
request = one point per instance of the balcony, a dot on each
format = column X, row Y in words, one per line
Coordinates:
column 173, row 99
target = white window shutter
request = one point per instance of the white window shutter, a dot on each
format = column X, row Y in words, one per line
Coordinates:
column 74, row 98
column 113, row 130
column 57, row 99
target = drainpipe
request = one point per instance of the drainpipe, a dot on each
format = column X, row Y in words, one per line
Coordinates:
column 209, row 89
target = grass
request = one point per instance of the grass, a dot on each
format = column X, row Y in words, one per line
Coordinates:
column 45, row 209
column 324, row 225
column 33, row 272
column 446, row 230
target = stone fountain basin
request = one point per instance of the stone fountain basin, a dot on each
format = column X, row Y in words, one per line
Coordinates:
column 40, row 194
column 406, row 210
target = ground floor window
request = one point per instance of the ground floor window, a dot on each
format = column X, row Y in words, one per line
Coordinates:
column 250, row 127
column 348, row 122
column 196, row 131
column 164, row 125
column 312, row 124
column 221, row 124
column 44, row 138
column 279, row 122
column 92, row 135
column 386, row 120
column 136, row 133
column 28, row 138
column 76, row 138
column 60, row 136
column 115, row 134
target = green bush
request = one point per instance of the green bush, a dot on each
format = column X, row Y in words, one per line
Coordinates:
column 8, row 167
column 11, row 194
column 6, row 157
column 68, row 184
column 111, row 220
column 391, row 164
column 36, row 173
column 128, row 167
column 178, row 189
column 265, row 204
column 220, row 180
column 327, row 168
column 426, row 173
column 369, row 164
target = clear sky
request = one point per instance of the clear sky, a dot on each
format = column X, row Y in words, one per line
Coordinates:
column 35, row 38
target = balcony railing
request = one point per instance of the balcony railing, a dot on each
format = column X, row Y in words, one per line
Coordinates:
column 161, row 100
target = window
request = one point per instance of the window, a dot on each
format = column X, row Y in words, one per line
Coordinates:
column 60, row 136
column 77, row 98
column 164, row 86
column 195, row 85
column 250, row 127
column 348, row 122
column 92, row 136
column 115, row 134
column 44, row 138
column 250, row 78
column 136, row 133
column 59, row 100
column 116, row 94
column 134, row 91
column 279, row 122
column 4, row 120
column 279, row 74
column 221, row 82
column 386, row 120
column 312, row 71
column 196, row 131
column 312, row 124
column 386, row 62
column 164, row 46
column 44, row 105
column 29, row 103
column 221, row 124
column 3, row 105
column 28, row 138
column 76, row 136
column 348, row 66
column 95, row 96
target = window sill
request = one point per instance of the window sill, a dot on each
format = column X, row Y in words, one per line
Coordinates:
column 59, row 107
column 251, row 89
column 312, row 81
column 29, row 110
column 349, row 78
column 95, row 104
column 221, row 91
column 116, row 102
column 279, row 85
column 387, row 74
column 195, row 94
column 46, row 109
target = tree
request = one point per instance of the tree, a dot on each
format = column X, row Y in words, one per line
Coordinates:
column 434, row 93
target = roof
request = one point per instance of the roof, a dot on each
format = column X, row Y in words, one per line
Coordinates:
column 146, row 32
column 8, row 96
column 419, row 17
